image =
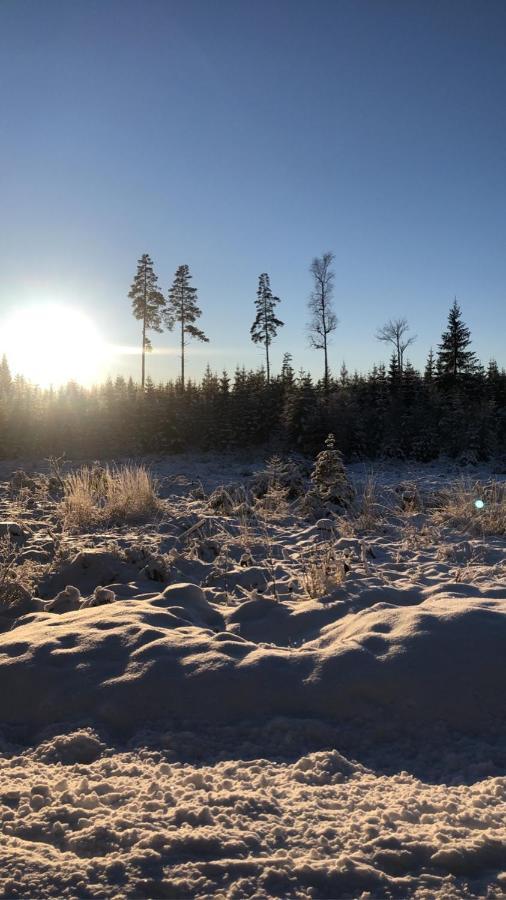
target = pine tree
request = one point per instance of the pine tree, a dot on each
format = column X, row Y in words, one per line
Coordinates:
column 147, row 305
column 182, row 308
column 265, row 326
column 454, row 358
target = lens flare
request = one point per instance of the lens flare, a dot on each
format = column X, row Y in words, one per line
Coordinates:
column 479, row 504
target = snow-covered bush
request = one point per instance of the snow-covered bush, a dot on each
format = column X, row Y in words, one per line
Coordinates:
column 279, row 473
column 330, row 485
column 467, row 458
column 280, row 482
column 227, row 499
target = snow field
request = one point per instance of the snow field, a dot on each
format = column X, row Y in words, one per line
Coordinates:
column 218, row 704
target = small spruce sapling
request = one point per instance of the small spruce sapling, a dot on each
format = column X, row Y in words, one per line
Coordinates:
column 329, row 481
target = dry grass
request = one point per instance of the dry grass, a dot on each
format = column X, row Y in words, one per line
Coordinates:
column 8, row 560
column 369, row 511
column 323, row 571
column 457, row 507
column 97, row 496
column 17, row 576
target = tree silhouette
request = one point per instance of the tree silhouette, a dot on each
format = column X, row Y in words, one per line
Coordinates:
column 454, row 358
column 5, row 377
column 182, row 308
column 394, row 332
column 323, row 318
column 430, row 367
column 147, row 305
column 265, row 326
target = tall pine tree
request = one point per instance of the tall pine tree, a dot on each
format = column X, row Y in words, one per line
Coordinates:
column 265, row 326
column 147, row 304
column 454, row 358
column 182, row 309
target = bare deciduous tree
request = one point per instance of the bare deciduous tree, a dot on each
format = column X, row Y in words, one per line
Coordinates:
column 395, row 333
column 323, row 318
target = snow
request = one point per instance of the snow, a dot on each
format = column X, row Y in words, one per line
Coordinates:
column 181, row 719
column 131, row 823
column 170, row 655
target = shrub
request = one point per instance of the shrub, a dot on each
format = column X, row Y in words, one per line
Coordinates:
column 99, row 495
column 473, row 506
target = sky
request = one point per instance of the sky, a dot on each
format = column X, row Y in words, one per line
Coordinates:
column 246, row 137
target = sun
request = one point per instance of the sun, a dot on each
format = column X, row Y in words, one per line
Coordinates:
column 51, row 344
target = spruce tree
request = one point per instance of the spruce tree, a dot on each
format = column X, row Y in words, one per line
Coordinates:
column 265, row 326
column 394, row 372
column 182, row 309
column 5, row 377
column 287, row 373
column 454, row 358
column 430, row 367
column 329, row 481
column 147, row 305
column 344, row 375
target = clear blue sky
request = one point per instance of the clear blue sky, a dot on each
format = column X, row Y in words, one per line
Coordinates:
column 242, row 137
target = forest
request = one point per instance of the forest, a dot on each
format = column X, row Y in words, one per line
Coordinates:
column 455, row 407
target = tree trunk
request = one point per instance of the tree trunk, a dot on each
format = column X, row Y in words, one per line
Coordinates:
column 326, row 375
column 182, row 356
column 267, row 362
column 143, row 374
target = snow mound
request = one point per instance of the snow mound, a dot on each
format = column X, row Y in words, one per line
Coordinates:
column 168, row 655
column 81, row 747
column 262, row 619
column 88, row 569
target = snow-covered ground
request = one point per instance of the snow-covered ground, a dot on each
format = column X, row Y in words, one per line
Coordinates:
column 259, row 704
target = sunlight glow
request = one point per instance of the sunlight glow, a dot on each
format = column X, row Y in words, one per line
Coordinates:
column 51, row 344
column 479, row 504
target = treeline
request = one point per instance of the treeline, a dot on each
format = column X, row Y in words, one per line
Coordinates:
column 390, row 412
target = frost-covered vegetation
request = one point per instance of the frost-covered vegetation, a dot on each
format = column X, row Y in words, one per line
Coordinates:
column 284, row 677
column 94, row 495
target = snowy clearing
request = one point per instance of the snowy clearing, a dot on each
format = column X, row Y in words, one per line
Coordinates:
column 249, row 696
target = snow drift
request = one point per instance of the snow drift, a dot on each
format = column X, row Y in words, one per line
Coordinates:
column 169, row 655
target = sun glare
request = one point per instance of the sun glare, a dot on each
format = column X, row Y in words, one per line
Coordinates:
column 52, row 344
